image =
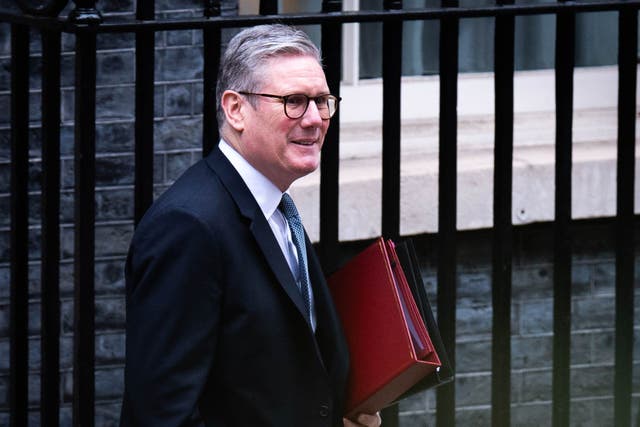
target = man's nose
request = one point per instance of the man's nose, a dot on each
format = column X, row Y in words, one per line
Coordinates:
column 312, row 117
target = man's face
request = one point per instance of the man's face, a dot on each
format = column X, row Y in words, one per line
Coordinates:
column 281, row 148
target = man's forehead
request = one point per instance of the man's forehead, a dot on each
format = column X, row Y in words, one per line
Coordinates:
column 288, row 56
column 293, row 71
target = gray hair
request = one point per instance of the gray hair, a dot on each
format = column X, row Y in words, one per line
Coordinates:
column 241, row 67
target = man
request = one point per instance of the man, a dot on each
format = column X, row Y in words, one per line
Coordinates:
column 229, row 319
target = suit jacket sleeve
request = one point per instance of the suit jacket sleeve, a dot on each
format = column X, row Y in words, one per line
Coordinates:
column 173, row 299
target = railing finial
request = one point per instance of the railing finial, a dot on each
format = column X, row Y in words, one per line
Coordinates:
column 268, row 7
column 212, row 8
column 85, row 12
column 43, row 7
column 331, row 6
column 392, row 4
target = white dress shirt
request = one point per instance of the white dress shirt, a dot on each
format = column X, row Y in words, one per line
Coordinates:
column 268, row 197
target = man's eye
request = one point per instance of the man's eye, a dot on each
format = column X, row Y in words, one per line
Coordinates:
column 296, row 100
column 321, row 101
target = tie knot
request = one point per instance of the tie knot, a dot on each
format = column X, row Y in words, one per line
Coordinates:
column 288, row 208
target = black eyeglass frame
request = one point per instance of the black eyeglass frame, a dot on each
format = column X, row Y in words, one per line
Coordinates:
column 316, row 99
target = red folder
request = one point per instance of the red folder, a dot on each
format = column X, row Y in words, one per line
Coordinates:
column 389, row 345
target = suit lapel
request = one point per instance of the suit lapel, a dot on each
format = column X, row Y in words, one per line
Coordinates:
column 330, row 339
column 258, row 225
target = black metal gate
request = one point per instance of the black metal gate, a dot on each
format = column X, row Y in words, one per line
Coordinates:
column 85, row 23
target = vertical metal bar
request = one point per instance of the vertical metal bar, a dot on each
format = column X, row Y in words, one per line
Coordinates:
column 447, row 211
column 19, row 299
column 212, row 40
column 84, row 257
column 50, row 270
column 145, row 59
column 268, row 7
column 331, row 42
column 625, row 239
column 391, row 76
column 503, row 228
column 391, row 109
column 564, row 63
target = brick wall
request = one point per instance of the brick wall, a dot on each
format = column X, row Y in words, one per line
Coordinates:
column 592, row 329
column 178, row 127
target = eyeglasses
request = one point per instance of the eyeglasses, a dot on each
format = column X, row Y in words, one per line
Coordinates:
column 295, row 105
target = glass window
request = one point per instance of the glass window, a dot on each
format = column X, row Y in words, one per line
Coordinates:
column 596, row 40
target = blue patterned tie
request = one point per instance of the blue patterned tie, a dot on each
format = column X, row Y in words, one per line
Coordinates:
column 290, row 212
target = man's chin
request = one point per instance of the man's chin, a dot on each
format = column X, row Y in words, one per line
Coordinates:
column 305, row 168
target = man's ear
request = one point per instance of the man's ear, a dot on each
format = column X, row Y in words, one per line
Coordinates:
column 233, row 105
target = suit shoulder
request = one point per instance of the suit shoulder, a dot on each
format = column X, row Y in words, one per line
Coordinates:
column 197, row 190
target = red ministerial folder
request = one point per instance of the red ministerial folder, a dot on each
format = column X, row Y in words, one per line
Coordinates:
column 390, row 349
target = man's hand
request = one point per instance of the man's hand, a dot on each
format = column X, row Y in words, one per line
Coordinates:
column 364, row 420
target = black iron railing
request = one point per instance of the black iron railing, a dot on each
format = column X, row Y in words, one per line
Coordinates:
column 85, row 23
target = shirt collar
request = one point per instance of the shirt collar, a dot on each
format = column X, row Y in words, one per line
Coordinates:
column 264, row 191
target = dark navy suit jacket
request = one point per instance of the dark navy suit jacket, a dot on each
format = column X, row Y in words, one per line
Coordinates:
column 216, row 334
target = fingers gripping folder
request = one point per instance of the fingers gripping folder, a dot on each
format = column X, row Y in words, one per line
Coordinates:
column 394, row 342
